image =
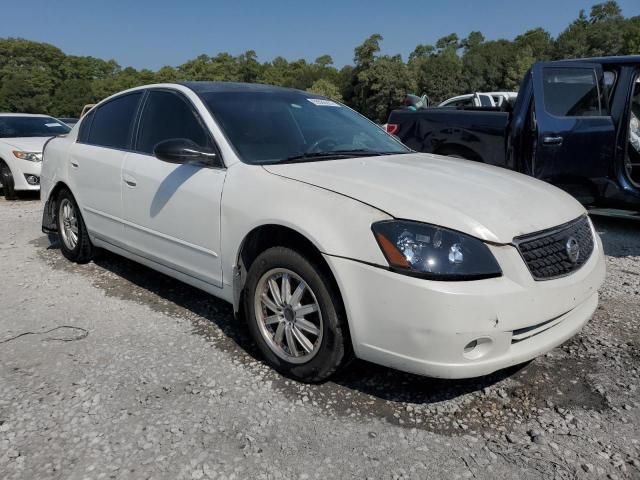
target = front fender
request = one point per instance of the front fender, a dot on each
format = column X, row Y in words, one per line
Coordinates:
column 337, row 225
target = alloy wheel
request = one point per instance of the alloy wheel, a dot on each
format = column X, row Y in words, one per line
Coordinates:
column 68, row 223
column 288, row 315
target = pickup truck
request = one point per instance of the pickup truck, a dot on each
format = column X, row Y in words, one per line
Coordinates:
column 480, row 99
column 572, row 125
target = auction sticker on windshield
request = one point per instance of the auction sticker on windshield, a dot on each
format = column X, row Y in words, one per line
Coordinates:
column 322, row 102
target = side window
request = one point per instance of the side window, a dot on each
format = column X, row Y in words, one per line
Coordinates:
column 112, row 122
column 610, row 77
column 573, row 92
column 85, row 125
column 465, row 102
column 485, row 101
column 167, row 115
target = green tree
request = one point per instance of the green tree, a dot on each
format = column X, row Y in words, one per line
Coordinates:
column 631, row 37
column 27, row 90
column 70, row 96
column 439, row 75
column 326, row 88
column 538, row 42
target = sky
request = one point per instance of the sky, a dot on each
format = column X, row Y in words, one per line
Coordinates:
column 151, row 34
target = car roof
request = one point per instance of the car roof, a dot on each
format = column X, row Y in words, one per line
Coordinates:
column 622, row 59
column 210, row 87
column 7, row 114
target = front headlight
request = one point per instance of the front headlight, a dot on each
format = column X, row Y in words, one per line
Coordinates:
column 30, row 156
column 434, row 252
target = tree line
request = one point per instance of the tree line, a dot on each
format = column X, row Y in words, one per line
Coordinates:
column 40, row 78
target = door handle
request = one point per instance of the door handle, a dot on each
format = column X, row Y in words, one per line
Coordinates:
column 130, row 181
column 553, row 141
column 74, row 164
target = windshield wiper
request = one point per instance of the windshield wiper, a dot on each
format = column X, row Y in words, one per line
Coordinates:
column 328, row 155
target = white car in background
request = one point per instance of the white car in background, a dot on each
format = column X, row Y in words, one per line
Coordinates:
column 22, row 137
column 330, row 236
column 480, row 99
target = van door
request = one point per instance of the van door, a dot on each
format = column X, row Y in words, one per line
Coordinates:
column 172, row 211
column 574, row 133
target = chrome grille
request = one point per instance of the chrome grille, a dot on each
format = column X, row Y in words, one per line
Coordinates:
column 548, row 254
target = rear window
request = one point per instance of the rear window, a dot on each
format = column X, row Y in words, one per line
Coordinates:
column 112, row 122
column 85, row 125
column 573, row 92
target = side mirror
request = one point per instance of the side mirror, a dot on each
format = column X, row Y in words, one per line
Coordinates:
column 183, row 150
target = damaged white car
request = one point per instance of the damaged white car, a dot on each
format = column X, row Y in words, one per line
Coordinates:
column 331, row 237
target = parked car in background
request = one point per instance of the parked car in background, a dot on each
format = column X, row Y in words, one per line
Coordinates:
column 481, row 99
column 330, row 235
column 22, row 137
column 71, row 121
column 572, row 125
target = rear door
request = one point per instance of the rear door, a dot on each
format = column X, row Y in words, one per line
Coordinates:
column 574, row 131
column 172, row 211
column 95, row 163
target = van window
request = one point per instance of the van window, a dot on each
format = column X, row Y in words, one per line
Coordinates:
column 167, row 115
column 573, row 92
column 112, row 122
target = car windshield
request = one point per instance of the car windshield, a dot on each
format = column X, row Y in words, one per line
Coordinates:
column 11, row 127
column 285, row 126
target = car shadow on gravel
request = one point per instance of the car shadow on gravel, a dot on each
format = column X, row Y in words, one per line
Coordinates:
column 22, row 196
column 362, row 389
column 620, row 236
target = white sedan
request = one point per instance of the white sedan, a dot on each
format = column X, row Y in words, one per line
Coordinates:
column 22, row 137
column 330, row 237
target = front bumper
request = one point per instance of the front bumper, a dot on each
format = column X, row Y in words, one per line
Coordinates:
column 422, row 326
column 20, row 169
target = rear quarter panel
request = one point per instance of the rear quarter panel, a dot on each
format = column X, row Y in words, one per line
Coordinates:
column 54, row 165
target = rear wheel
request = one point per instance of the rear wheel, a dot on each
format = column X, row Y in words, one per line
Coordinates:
column 6, row 179
column 74, row 238
column 295, row 316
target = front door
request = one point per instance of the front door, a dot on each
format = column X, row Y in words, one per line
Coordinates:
column 574, row 131
column 172, row 211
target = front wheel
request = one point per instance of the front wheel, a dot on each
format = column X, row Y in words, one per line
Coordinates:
column 74, row 238
column 295, row 315
column 6, row 180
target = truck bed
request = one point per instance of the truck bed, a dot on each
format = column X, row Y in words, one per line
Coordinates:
column 477, row 133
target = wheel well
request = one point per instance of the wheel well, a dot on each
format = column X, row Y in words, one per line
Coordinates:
column 267, row 236
column 50, row 211
column 2, row 162
column 57, row 188
column 461, row 150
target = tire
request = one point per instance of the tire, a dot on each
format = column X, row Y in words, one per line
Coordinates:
column 74, row 238
column 324, row 328
column 6, row 178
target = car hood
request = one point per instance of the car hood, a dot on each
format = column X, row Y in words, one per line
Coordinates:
column 490, row 203
column 26, row 144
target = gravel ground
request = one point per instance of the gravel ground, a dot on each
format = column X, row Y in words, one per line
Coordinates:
column 110, row 370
